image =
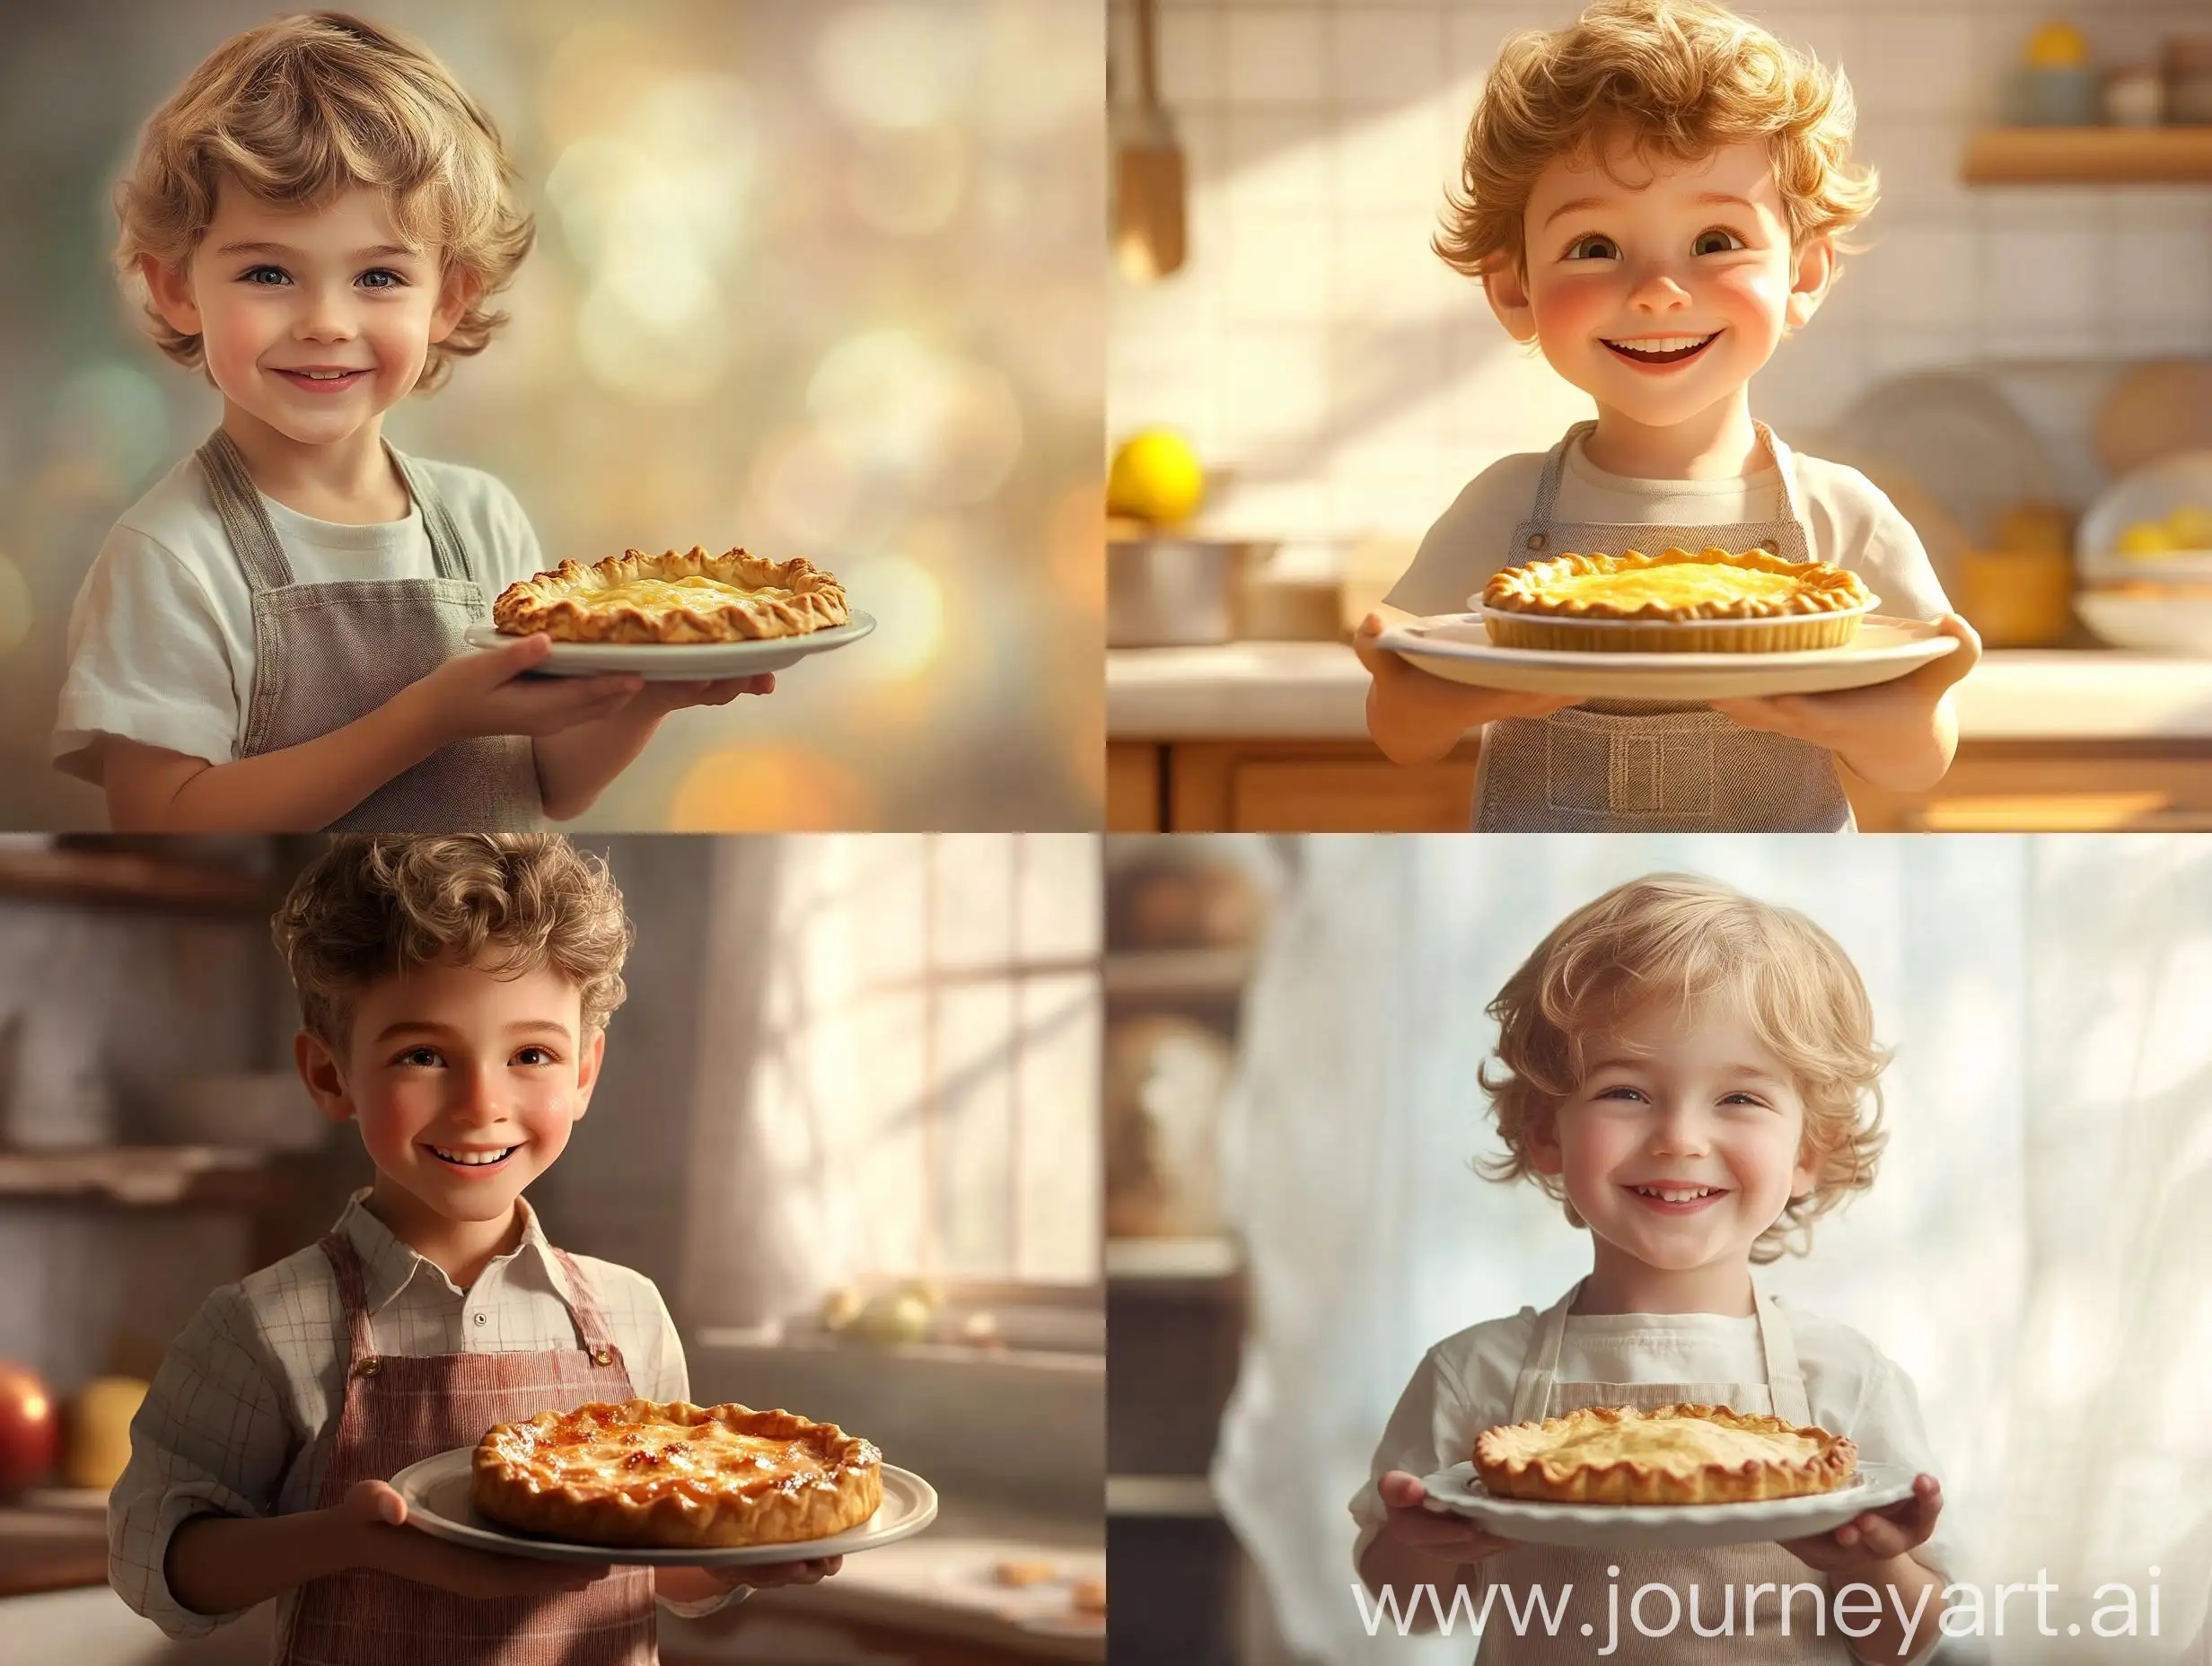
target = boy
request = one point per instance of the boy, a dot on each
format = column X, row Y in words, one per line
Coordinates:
column 453, row 993
column 1683, row 1067
column 271, row 639
column 1654, row 197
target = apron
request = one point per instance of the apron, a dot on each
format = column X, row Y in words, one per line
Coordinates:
column 1539, row 1393
column 400, row 1408
column 325, row 654
column 1647, row 765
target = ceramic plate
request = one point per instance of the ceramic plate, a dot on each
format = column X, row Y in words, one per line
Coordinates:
column 1457, row 646
column 682, row 661
column 1458, row 1491
column 437, row 1491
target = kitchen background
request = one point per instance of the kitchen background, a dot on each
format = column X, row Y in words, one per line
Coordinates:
column 2031, row 318
column 1295, row 1029
column 848, row 1124
column 818, row 280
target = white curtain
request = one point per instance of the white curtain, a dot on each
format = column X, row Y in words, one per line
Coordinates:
column 2036, row 1252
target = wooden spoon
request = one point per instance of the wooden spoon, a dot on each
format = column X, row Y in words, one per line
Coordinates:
column 1149, row 184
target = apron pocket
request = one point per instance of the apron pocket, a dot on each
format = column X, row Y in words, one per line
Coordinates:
column 1619, row 765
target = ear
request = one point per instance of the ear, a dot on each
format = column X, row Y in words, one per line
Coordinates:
column 455, row 295
column 1540, row 1139
column 171, row 290
column 1506, row 285
column 1806, row 1175
column 588, row 1062
column 326, row 1081
column 1812, row 269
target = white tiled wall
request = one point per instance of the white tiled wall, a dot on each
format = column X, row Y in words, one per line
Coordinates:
column 1348, row 381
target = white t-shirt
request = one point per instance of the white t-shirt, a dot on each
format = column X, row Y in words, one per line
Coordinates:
column 1848, row 523
column 1465, row 1385
column 161, row 639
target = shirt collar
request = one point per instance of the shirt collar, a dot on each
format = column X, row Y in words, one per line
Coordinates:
column 389, row 1266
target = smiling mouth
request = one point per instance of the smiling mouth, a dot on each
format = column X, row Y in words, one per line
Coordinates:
column 325, row 378
column 1679, row 1194
column 455, row 1157
column 1662, row 349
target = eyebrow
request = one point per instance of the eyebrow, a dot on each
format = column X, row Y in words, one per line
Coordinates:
column 1712, row 197
column 423, row 1026
column 382, row 252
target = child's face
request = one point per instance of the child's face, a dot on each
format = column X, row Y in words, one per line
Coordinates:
column 315, row 323
column 1662, row 300
column 465, row 1083
column 1686, row 1140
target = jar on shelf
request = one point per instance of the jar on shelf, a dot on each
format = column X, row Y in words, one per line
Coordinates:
column 2187, row 64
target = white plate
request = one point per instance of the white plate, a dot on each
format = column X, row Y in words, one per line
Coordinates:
column 681, row 661
column 437, row 1491
column 1456, row 646
column 1458, row 1491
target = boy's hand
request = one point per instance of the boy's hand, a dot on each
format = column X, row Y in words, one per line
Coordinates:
column 369, row 1520
column 1417, row 718
column 655, row 701
column 1861, row 1546
column 1890, row 733
column 767, row 1577
column 1448, row 1538
column 486, row 692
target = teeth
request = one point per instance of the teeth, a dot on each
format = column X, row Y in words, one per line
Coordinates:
column 1678, row 1194
column 322, row 375
column 1660, row 344
column 474, row 1158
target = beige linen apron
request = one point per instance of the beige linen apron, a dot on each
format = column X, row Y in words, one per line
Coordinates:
column 325, row 654
column 1539, row 1393
column 1645, row 766
column 400, row 1409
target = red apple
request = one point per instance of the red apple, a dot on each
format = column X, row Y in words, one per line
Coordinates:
column 29, row 1433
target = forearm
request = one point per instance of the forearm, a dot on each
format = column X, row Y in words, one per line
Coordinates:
column 300, row 789
column 1908, row 757
column 574, row 765
column 1902, row 1583
column 221, row 1563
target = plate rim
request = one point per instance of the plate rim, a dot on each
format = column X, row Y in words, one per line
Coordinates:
column 484, row 634
column 1876, row 1478
column 504, row 1542
column 1401, row 638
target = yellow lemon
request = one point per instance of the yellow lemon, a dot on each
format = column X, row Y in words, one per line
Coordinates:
column 2145, row 537
column 1157, row 477
column 2057, row 46
column 2189, row 527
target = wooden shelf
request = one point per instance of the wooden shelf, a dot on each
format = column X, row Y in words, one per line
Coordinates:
column 193, row 1176
column 129, row 877
column 1188, row 1497
column 2089, row 156
column 1178, row 974
column 1173, row 1260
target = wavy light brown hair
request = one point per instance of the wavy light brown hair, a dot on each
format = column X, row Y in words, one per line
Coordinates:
column 1677, row 80
column 1682, row 941
column 298, row 112
column 376, row 906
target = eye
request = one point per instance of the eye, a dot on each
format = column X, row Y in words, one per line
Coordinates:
column 257, row 275
column 536, row 1056
column 391, row 279
column 1621, row 1090
column 1594, row 247
column 1744, row 1099
column 1719, row 241
column 419, row 1058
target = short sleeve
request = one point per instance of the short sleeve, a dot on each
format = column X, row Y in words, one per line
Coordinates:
column 1471, row 540
column 1887, row 1429
column 147, row 661
column 1432, row 1427
column 212, row 1437
column 1868, row 534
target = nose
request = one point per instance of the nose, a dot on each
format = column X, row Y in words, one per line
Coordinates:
column 478, row 1097
column 1680, row 1130
column 325, row 313
column 1656, row 291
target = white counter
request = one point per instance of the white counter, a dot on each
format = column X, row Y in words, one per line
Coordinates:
column 1317, row 691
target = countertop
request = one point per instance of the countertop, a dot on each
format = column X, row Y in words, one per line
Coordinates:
column 1317, row 691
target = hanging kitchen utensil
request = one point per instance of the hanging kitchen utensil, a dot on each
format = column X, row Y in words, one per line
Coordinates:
column 1149, row 184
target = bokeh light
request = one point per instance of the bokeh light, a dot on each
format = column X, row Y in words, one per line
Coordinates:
column 759, row 789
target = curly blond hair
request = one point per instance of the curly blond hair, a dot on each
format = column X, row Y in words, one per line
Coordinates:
column 1678, row 79
column 1684, row 941
column 299, row 111
column 372, row 907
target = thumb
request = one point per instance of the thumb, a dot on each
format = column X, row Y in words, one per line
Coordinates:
column 375, row 1501
column 1399, row 1490
column 517, row 657
column 1370, row 626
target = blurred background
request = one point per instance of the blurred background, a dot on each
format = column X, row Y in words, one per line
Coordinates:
column 2021, row 356
column 817, row 280
column 1293, row 1033
column 848, row 1124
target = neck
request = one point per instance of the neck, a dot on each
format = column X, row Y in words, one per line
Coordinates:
column 1715, row 443
column 1621, row 1283
column 352, row 481
column 460, row 1250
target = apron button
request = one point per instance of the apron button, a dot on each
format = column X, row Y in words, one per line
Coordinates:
column 1536, row 540
column 603, row 1357
column 369, row 1367
column 1772, row 545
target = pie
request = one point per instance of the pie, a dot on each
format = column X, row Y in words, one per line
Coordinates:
column 675, row 1476
column 633, row 597
column 1669, row 1455
column 1708, row 602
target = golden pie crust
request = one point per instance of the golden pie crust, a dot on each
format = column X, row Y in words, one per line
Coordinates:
column 694, row 597
column 1671, row 1455
column 675, row 1476
column 1712, row 601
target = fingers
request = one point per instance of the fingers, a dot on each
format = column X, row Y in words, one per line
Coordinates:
column 1399, row 1488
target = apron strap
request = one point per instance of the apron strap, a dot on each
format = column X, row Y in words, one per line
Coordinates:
column 1786, row 465
column 448, row 552
column 1785, row 1383
column 238, row 501
column 1555, row 462
column 583, row 1307
column 353, row 1289
column 1540, row 1367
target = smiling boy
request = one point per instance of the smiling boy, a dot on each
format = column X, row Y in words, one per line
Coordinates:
column 273, row 638
column 1684, row 1068
column 1653, row 197
column 454, row 993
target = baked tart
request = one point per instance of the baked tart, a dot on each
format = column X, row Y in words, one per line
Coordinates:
column 675, row 1476
column 1671, row 1455
column 1703, row 602
column 694, row 597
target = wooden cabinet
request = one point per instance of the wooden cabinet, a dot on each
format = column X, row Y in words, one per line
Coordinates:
column 1348, row 786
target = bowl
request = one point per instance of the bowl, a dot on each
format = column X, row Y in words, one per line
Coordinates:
column 2149, row 622
column 2150, row 494
column 1174, row 591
